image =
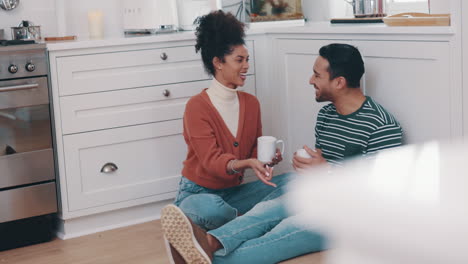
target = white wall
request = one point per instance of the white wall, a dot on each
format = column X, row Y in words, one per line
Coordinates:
column 40, row 12
column 72, row 16
column 69, row 17
column 76, row 16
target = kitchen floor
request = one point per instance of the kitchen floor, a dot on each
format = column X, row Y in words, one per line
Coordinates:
column 138, row 244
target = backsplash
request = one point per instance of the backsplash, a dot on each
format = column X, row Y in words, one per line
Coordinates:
column 63, row 17
column 41, row 12
column 66, row 17
column 77, row 17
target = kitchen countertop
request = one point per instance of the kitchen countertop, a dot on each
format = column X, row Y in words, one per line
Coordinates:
column 371, row 28
column 308, row 28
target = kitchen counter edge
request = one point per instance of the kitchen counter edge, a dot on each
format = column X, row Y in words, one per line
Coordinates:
column 308, row 28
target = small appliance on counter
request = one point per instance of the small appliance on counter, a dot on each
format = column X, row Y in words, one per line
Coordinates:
column 149, row 16
column 26, row 30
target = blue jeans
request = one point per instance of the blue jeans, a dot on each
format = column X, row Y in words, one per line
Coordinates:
column 210, row 209
column 266, row 234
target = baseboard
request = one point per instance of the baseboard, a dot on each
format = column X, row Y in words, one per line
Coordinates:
column 86, row 225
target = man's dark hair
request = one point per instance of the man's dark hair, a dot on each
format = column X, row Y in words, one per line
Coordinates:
column 216, row 34
column 346, row 61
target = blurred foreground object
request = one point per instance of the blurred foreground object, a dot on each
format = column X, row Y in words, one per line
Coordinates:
column 406, row 205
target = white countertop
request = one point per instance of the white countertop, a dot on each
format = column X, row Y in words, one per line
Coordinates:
column 380, row 28
column 308, row 28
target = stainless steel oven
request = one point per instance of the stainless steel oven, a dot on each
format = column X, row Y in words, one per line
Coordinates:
column 27, row 174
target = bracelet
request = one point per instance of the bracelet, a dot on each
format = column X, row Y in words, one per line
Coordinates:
column 231, row 166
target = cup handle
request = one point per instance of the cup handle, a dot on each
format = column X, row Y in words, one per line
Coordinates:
column 282, row 145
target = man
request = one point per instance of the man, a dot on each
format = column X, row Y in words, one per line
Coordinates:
column 351, row 125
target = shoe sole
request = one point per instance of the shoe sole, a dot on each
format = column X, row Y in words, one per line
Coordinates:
column 178, row 231
column 168, row 251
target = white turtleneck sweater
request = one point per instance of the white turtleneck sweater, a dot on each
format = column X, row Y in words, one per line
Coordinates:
column 226, row 102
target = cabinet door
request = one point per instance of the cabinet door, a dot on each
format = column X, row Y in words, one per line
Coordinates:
column 142, row 161
column 412, row 81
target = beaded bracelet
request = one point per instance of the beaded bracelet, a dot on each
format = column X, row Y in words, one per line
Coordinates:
column 231, row 166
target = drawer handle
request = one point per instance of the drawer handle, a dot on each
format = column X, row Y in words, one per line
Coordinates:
column 166, row 92
column 109, row 168
column 163, row 56
column 18, row 87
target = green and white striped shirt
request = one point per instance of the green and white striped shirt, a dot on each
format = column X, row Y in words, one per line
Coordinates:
column 370, row 129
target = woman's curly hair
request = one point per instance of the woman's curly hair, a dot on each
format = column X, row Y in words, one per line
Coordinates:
column 216, row 34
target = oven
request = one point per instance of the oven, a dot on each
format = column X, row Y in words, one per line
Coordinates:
column 28, row 199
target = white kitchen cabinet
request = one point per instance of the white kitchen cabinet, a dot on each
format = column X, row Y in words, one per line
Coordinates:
column 141, row 161
column 118, row 127
column 411, row 79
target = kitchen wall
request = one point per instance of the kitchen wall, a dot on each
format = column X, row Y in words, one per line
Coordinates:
column 67, row 17
column 77, row 16
column 63, row 17
column 41, row 12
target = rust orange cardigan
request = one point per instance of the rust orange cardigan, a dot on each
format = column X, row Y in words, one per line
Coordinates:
column 210, row 143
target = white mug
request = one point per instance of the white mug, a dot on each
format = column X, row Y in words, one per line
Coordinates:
column 303, row 153
column 266, row 148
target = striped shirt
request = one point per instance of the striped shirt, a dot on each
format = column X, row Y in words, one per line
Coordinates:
column 370, row 129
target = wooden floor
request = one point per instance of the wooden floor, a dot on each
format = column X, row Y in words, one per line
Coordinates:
column 138, row 244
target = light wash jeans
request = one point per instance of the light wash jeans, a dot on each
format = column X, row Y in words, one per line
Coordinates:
column 210, row 209
column 266, row 234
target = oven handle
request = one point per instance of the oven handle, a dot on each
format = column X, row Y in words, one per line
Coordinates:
column 18, row 87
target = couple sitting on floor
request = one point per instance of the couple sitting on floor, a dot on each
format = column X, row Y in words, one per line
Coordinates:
column 215, row 217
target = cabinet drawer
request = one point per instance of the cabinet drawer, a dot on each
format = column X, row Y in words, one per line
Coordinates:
column 87, row 112
column 96, row 111
column 131, row 69
column 148, row 160
column 128, row 69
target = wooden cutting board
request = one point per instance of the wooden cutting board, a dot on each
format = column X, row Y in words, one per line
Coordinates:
column 60, row 38
column 417, row 19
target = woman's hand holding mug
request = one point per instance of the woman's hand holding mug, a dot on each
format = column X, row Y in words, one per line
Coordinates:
column 267, row 152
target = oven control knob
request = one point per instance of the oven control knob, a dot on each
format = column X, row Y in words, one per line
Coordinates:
column 30, row 67
column 13, row 68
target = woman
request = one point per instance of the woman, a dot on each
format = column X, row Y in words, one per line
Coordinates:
column 221, row 127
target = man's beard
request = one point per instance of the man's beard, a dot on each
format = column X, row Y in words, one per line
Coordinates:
column 322, row 98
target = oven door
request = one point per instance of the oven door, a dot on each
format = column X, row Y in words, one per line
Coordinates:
column 26, row 154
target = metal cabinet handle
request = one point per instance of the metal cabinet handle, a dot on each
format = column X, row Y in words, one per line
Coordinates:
column 163, row 56
column 18, row 87
column 166, row 92
column 109, row 168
